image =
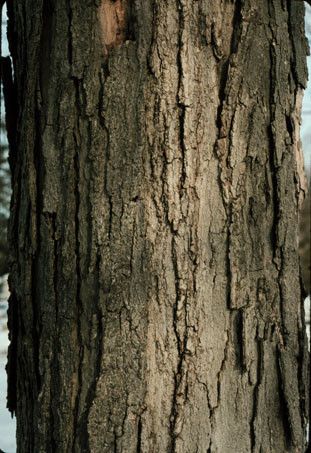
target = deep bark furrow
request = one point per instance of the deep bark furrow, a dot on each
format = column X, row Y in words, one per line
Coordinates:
column 255, row 414
column 180, row 94
column 79, row 302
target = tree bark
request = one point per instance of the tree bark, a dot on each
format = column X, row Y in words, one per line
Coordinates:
column 156, row 299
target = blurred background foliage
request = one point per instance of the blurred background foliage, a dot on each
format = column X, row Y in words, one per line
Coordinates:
column 5, row 193
column 5, row 180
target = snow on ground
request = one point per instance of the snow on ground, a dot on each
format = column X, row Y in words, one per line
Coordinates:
column 7, row 424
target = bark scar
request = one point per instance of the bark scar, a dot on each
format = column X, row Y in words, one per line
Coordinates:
column 114, row 18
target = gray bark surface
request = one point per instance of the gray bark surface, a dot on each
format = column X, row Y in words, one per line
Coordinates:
column 156, row 298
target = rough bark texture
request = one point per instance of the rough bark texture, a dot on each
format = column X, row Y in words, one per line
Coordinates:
column 305, row 242
column 156, row 302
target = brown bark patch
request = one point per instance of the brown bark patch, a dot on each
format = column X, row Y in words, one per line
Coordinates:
column 113, row 16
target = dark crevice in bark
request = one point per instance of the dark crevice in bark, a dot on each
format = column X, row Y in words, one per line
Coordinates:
column 229, row 209
column 35, row 327
column 177, row 297
column 152, row 40
column 10, row 102
column 293, row 58
column 11, row 367
column 55, row 263
column 237, row 29
column 240, row 339
column 132, row 247
column 51, row 443
column 139, row 436
column 132, row 29
column 275, row 199
column 260, row 371
column 274, row 172
column 115, row 441
column 180, row 101
column 223, row 77
column 272, row 142
column 181, row 348
column 290, row 126
column 284, row 332
column 224, row 65
column 182, row 115
column 78, row 272
column 37, row 154
column 45, row 49
column 106, row 166
column 104, row 74
column 15, row 36
column 50, row 440
column 110, row 217
column 87, row 188
column 284, row 409
column 84, row 441
column 174, row 411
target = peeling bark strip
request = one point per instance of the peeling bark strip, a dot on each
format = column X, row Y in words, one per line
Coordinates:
column 114, row 18
column 156, row 300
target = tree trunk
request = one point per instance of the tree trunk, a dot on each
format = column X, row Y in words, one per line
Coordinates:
column 156, row 301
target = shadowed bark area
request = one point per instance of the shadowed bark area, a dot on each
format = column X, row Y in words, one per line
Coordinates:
column 156, row 302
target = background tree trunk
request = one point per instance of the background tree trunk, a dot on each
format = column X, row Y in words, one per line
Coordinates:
column 156, row 302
